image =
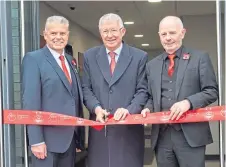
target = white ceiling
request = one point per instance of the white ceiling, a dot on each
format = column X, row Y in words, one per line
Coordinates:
column 145, row 15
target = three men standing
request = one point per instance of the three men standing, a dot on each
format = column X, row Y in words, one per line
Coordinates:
column 115, row 83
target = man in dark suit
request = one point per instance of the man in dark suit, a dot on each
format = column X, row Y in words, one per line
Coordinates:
column 179, row 79
column 114, row 83
column 51, row 83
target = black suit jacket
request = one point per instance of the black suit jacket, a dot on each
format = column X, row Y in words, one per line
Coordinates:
column 196, row 82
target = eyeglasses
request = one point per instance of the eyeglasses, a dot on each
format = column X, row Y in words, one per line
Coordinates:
column 112, row 31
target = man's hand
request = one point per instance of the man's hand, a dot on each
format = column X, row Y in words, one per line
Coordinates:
column 145, row 111
column 101, row 114
column 178, row 109
column 120, row 114
column 78, row 150
column 40, row 151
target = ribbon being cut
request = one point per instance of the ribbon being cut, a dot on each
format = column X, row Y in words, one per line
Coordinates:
column 216, row 113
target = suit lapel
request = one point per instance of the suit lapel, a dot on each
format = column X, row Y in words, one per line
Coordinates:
column 180, row 71
column 103, row 64
column 122, row 63
column 70, row 59
column 57, row 68
column 75, row 72
column 158, row 77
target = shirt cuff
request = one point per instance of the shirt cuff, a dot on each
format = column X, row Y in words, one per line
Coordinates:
column 38, row 144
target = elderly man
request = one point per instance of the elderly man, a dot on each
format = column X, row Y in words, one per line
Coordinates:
column 51, row 83
column 114, row 83
column 179, row 79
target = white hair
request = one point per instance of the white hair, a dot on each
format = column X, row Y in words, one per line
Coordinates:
column 56, row 20
column 111, row 17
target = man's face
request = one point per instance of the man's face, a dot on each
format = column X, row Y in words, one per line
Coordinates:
column 112, row 34
column 171, row 35
column 56, row 36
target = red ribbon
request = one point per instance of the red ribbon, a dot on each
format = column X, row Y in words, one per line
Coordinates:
column 216, row 113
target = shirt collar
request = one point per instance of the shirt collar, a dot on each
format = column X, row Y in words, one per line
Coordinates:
column 178, row 53
column 55, row 54
column 117, row 51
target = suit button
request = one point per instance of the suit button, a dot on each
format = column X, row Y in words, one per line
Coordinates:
column 170, row 90
column 170, row 81
column 111, row 91
column 169, row 99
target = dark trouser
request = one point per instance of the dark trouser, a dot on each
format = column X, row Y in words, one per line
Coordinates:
column 66, row 159
column 172, row 150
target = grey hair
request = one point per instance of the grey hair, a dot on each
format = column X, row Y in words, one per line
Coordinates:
column 111, row 17
column 57, row 20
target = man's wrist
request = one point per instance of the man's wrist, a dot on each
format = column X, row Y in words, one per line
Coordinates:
column 189, row 103
column 97, row 109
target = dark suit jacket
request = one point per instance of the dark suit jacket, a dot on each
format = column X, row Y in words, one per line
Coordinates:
column 124, row 145
column 196, row 82
column 46, row 88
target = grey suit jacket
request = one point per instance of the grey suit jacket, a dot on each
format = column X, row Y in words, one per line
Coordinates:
column 127, row 88
column 128, row 78
column 196, row 82
column 46, row 88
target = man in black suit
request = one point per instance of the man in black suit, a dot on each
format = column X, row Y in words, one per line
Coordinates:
column 179, row 79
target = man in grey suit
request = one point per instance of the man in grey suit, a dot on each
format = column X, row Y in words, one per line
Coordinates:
column 51, row 83
column 180, row 79
column 114, row 83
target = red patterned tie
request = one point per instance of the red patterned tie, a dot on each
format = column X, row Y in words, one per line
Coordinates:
column 171, row 65
column 64, row 68
column 113, row 62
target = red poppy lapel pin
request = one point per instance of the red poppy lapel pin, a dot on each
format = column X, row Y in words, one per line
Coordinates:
column 186, row 56
column 74, row 63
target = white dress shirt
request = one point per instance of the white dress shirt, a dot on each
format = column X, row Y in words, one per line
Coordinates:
column 117, row 51
column 57, row 58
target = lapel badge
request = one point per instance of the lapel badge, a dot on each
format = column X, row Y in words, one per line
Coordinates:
column 186, row 56
column 73, row 62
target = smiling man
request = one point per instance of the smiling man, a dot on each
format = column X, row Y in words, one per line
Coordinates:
column 180, row 79
column 50, row 83
column 114, row 84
